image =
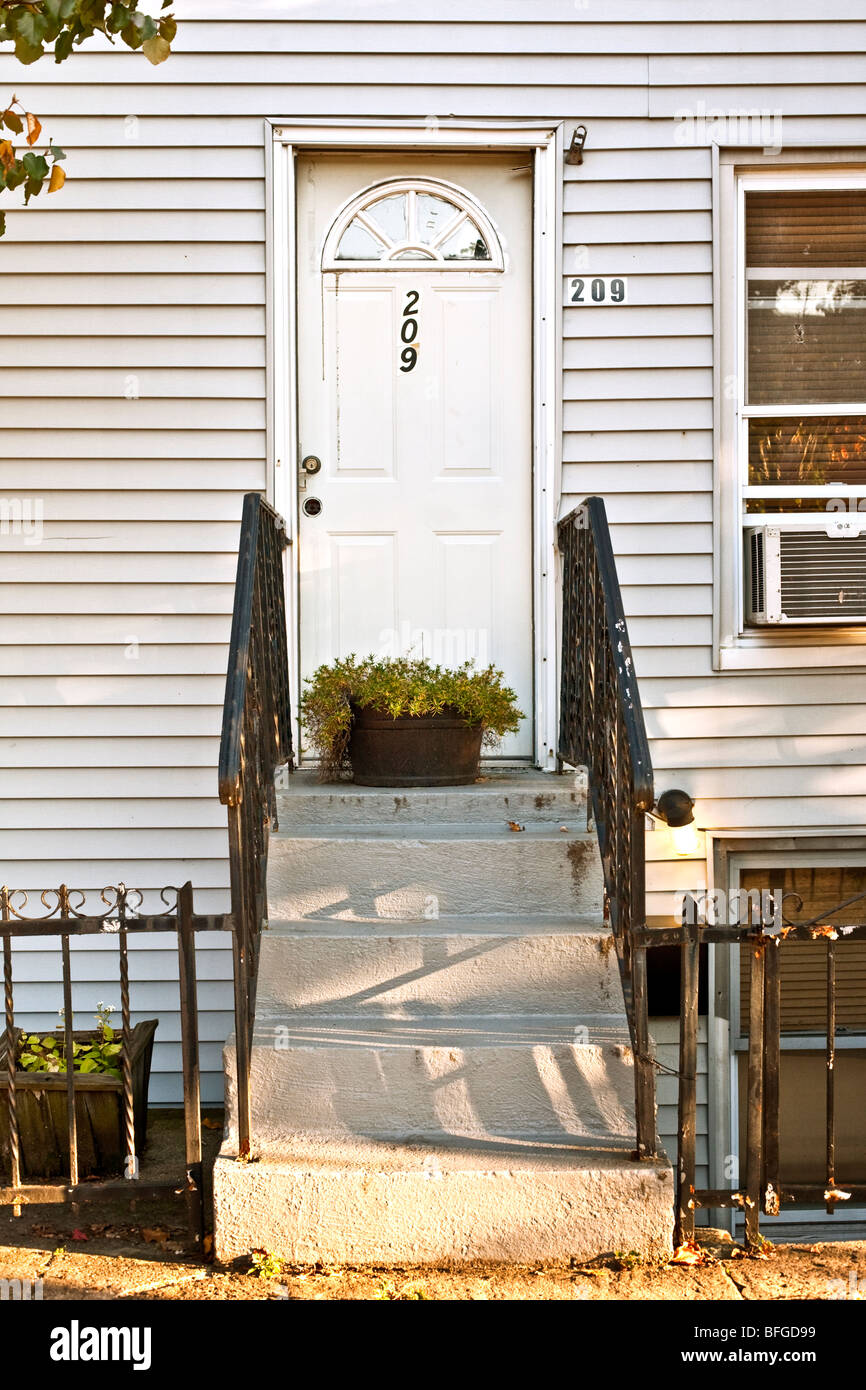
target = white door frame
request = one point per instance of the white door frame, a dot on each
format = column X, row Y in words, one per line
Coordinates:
column 285, row 138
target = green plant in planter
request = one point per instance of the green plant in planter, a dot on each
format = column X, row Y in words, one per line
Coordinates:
column 46, row 1052
column 400, row 686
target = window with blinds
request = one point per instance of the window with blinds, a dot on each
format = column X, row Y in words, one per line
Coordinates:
column 811, row 892
column 804, row 397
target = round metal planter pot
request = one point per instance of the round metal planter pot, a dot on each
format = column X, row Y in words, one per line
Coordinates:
column 426, row 750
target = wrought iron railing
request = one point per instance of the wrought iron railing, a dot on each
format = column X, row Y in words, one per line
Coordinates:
column 256, row 741
column 768, row 926
column 602, row 729
column 66, row 915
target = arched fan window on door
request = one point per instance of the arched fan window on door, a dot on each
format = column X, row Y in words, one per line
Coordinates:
column 412, row 224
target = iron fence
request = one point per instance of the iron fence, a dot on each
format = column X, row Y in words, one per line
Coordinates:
column 602, row 728
column 66, row 916
column 256, row 741
column 764, row 931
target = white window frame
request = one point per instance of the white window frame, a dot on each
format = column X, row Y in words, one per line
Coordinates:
column 465, row 205
column 287, row 136
column 736, row 647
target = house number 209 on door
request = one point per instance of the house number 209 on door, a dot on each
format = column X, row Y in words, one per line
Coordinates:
column 409, row 332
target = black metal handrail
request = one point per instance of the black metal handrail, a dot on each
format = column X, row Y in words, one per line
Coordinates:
column 256, row 741
column 602, row 729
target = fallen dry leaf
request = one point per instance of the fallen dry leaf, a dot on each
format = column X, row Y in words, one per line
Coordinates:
column 212, row 1124
column 154, row 1235
column 512, row 825
column 687, row 1254
column 79, row 1235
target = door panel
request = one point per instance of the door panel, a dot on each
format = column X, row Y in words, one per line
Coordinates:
column 415, row 393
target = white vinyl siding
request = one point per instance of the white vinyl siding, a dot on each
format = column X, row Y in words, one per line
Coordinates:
column 150, row 262
column 665, row 1033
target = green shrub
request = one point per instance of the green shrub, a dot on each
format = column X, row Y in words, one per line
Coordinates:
column 400, row 686
column 46, row 1051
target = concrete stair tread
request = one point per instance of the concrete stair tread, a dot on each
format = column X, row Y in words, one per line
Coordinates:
column 455, row 1031
column 451, row 1153
column 495, row 924
column 420, row 832
column 538, row 793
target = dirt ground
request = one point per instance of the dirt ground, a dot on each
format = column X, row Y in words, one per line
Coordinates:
column 144, row 1252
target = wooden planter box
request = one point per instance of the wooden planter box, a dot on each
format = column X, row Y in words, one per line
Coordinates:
column 42, row 1113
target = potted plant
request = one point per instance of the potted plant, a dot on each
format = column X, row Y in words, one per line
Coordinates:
column 40, row 1087
column 402, row 722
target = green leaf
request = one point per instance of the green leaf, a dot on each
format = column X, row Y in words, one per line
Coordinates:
column 107, row 1032
column 89, row 1064
column 56, row 152
column 36, row 165
column 131, row 35
column 30, row 26
column 118, row 18
column 156, row 50
column 63, row 45
column 168, row 28
column 25, row 52
column 13, row 121
column 59, row 10
column 2, row 224
column 92, row 13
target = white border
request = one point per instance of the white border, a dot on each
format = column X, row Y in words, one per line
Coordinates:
column 285, row 137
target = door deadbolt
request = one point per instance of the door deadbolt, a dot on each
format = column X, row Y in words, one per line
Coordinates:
column 312, row 506
column 311, row 464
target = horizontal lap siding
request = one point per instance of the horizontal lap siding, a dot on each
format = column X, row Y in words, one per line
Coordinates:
column 133, row 317
column 665, row 1035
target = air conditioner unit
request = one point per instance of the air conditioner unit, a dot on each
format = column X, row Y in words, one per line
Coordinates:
column 798, row 573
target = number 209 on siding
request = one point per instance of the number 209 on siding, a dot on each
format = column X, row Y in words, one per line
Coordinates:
column 599, row 289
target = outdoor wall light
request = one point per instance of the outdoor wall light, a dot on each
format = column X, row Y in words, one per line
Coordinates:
column 677, row 809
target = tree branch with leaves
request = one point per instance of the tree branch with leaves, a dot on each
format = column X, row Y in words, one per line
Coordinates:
column 60, row 26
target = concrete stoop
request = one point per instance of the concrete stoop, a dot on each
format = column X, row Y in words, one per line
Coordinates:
column 380, row 1203
column 441, row 1068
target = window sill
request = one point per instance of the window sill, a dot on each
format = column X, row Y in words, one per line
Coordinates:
column 786, row 652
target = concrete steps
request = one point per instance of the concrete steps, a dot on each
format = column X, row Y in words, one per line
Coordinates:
column 476, row 1078
column 457, row 965
column 445, row 870
column 364, row 1201
column 441, row 1066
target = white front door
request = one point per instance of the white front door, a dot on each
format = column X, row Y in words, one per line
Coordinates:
column 414, row 382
